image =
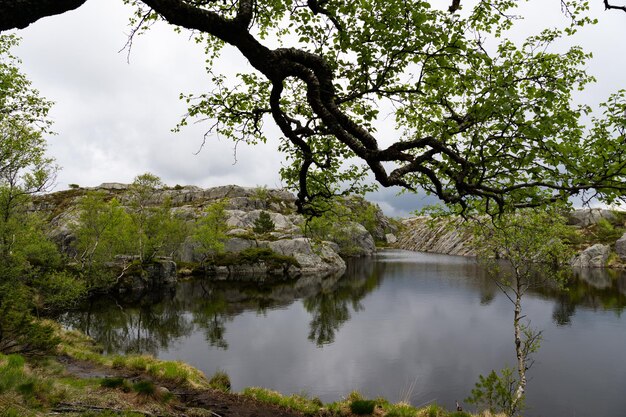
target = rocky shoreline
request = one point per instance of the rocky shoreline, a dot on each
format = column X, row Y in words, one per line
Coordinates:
column 598, row 230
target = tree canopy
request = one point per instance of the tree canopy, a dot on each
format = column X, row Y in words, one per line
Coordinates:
column 482, row 122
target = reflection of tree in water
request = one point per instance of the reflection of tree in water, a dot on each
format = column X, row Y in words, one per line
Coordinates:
column 330, row 307
column 209, row 313
column 149, row 323
column 593, row 288
column 563, row 311
column 146, row 326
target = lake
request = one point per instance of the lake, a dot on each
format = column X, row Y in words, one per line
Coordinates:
column 404, row 325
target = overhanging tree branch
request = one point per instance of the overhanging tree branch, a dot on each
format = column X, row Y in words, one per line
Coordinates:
column 18, row 14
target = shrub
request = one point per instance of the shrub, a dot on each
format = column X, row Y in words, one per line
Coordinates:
column 362, row 407
column 496, row 392
column 263, row 224
column 116, row 382
column 146, row 388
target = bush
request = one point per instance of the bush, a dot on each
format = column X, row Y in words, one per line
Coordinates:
column 116, row 382
column 146, row 388
column 362, row 407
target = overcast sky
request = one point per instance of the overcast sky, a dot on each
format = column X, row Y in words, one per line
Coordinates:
column 114, row 118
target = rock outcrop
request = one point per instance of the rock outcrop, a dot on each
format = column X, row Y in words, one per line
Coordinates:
column 620, row 247
column 425, row 234
column 589, row 217
column 243, row 208
column 592, row 257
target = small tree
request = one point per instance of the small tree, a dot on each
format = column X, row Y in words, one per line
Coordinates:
column 210, row 231
column 264, row 223
column 104, row 230
column 142, row 210
column 520, row 251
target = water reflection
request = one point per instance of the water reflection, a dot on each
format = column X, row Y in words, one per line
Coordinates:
column 389, row 321
column 149, row 324
column 592, row 288
column 330, row 307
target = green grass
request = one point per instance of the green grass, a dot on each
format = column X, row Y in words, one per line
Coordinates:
column 296, row 402
column 459, row 414
column 220, row 381
column 25, row 386
column 400, row 410
column 434, row 410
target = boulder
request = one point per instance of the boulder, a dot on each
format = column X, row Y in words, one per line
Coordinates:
column 112, row 186
column 241, row 219
column 237, row 244
column 390, row 238
column 355, row 240
column 593, row 257
column 620, row 247
column 159, row 273
column 322, row 258
column 588, row 217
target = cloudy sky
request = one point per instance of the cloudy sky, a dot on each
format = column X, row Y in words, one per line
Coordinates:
column 114, row 118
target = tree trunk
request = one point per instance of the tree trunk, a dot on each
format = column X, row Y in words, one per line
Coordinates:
column 519, row 349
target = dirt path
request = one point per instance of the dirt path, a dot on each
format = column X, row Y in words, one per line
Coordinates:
column 219, row 403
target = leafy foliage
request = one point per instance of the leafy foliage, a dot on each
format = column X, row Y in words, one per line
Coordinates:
column 32, row 280
column 484, row 123
column 210, row 230
column 103, row 231
column 495, row 392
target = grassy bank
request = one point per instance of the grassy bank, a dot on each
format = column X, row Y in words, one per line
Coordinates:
column 80, row 381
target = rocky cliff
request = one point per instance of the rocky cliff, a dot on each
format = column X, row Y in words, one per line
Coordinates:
column 425, row 234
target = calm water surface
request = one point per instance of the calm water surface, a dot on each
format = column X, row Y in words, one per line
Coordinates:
column 404, row 325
